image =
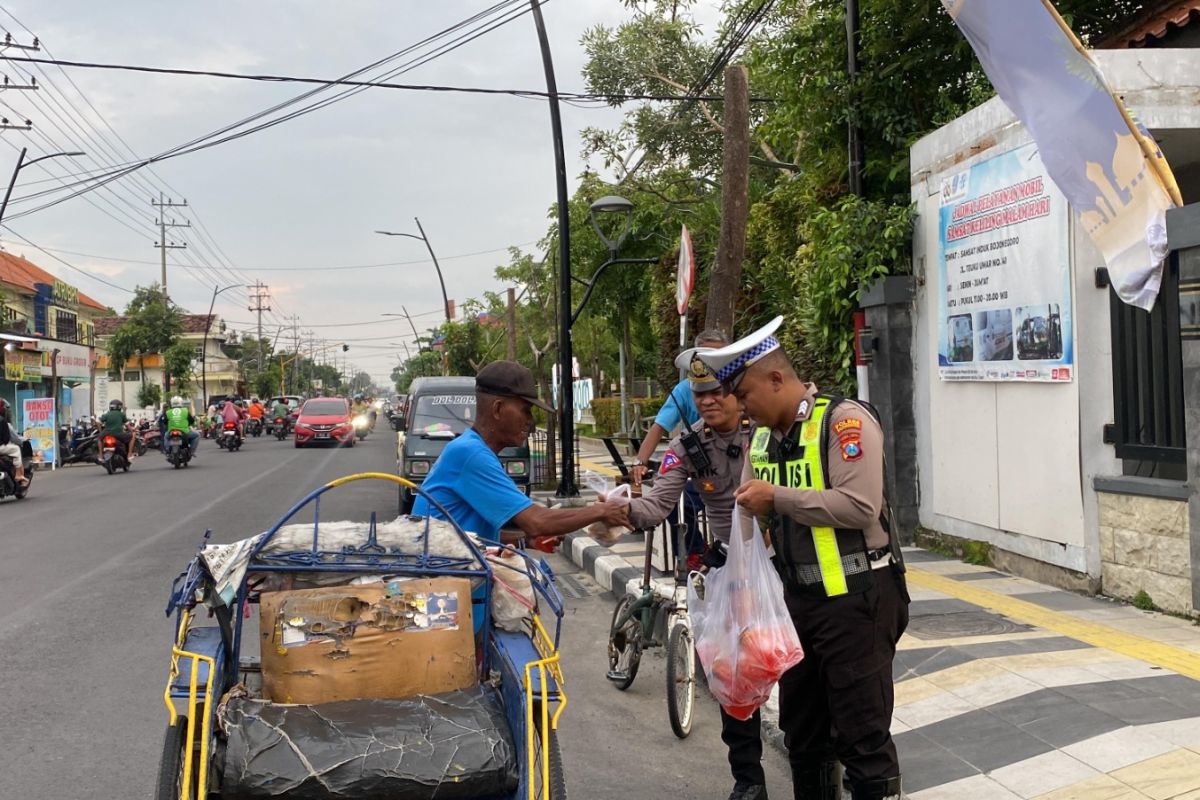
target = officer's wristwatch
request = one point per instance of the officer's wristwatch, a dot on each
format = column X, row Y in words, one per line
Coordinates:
column 637, row 462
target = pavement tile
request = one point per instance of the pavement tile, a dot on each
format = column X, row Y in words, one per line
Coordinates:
column 1068, row 601
column 918, row 556
column 976, row 787
column 984, row 741
column 1051, row 677
column 984, row 575
column 914, row 689
column 1101, row 787
column 921, row 593
column 1119, row 748
column 996, row 690
column 926, row 608
column 1183, row 732
column 1055, row 718
column 1009, row 585
column 965, row 674
column 927, row 660
column 1140, row 711
column 1164, row 776
column 913, row 643
column 1014, row 646
column 932, row 709
column 1041, row 774
column 927, row 764
column 1124, row 667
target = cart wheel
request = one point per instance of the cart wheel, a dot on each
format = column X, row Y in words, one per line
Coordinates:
column 681, row 679
column 557, row 789
column 624, row 646
column 171, row 765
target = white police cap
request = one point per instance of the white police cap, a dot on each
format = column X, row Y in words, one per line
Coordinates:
column 730, row 361
column 701, row 377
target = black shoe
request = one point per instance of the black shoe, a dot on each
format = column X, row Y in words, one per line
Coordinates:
column 883, row 789
column 748, row 791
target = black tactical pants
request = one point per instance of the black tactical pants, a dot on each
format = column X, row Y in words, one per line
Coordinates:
column 744, row 740
column 836, row 704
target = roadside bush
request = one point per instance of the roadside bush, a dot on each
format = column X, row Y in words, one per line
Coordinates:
column 149, row 395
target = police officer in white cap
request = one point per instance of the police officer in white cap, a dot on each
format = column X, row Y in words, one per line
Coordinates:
column 815, row 472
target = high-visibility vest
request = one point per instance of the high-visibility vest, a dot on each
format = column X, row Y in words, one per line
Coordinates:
column 799, row 462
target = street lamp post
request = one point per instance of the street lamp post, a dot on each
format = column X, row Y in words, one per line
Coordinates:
column 204, row 346
column 436, row 265
column 21, row 164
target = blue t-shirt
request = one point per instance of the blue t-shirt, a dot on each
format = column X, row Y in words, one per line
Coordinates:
column 668, row 415
column 469, row 481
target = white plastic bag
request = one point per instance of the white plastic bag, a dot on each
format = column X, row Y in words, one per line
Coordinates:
column 745, row 638
column 514, row 600
column 605, row 488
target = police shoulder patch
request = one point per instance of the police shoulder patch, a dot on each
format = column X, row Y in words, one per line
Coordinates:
column 670, row 462
column 851, row 450
column 847, row 424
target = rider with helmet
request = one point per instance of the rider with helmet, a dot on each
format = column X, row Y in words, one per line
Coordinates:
column 10, row 443
column 180, row 418
column 113, row 423
column 233, row 412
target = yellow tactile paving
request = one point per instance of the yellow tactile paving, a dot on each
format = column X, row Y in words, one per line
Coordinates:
column 1177, row 659
column 607, row 470
column 1163, row 777
column 1101, row 787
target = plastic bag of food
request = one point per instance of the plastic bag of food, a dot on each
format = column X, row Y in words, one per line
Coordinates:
column 745, row 638
column 609, row 492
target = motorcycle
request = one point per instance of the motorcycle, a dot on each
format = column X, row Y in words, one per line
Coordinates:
column 362, row 426
column 8, row 473
column 281, row 428
column 254, row 427
column 113, row 455
column 230, row 439
column 146, row 437
column 179, row 452
column 78, row 444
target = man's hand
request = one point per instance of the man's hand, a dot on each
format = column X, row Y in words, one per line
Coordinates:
column 636, row 473
column 757, row 497
column 615, row 514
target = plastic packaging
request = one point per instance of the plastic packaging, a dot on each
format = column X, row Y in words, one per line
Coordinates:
column 745, row 638
column 604, row 487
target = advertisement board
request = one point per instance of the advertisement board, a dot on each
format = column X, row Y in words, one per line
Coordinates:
column 22, row 366
column 1005, row 274
column 39, row 428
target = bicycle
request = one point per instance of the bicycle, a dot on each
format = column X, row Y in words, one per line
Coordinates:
column 658, row 616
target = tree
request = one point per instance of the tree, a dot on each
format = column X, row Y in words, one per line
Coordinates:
column 149, row 326
column 177, row 362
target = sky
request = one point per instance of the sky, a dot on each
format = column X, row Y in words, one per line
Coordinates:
column 477, row 170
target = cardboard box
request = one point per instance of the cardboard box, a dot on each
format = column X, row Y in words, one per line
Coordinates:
column 380, row 640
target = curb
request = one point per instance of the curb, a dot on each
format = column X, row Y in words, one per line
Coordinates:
column 616, row 575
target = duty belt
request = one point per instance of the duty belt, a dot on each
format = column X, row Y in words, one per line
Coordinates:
column 855, row 566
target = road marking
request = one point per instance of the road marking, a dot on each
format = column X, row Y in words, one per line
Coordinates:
column 1177, row 659
column 603, row 469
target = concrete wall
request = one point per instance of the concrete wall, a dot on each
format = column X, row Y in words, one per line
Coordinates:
column 1013, row 464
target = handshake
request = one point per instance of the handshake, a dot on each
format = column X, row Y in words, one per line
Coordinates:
column 612, row 510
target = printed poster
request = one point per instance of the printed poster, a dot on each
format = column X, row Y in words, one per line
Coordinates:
column 1005, row 274
column 39, row 428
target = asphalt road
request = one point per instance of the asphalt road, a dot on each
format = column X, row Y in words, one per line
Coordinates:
column 86, row 562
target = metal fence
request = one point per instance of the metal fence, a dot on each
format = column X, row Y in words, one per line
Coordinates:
column 1147, row 378
column 539, row 468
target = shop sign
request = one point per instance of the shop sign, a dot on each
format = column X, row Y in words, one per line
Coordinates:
column 22, row 365
column 40, row 428
column 65, row 295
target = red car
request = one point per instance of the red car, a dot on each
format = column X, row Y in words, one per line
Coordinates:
column 324, row 420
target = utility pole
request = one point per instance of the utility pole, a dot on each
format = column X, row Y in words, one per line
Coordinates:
column 735, row 202
column 511, row 324
column 162, row 244
column 259, row 297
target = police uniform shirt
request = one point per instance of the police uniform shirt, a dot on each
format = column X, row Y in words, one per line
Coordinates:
column 716, row 487
column 854, row 498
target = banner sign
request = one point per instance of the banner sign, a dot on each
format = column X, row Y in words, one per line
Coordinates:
column 1004, row 265
column 72, row 362
column 40, row 428
column 22, row 365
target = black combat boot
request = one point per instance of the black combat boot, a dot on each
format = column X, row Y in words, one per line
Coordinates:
column 816, row 784
column 748, row 791
column 883, row 789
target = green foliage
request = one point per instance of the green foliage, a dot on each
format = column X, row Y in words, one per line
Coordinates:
column 1143, row 601
column 150, row 394
column 178, row 363
column 607, row 413
column 425, row 364
column 977, row 553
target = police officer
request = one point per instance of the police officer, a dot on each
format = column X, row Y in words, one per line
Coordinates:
column 815, row 472
column 710, row 452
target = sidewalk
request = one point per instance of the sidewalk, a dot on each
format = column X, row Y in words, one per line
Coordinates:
column 1007, row 688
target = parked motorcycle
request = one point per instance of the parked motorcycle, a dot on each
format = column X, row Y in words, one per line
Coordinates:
column 179, row 452
column 113, row 455
column 78, row 444
column 281, row 428
column 149, row 437
column 8, row 473
column 230, row 439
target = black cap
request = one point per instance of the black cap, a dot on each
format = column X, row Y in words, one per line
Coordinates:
column 509, row 379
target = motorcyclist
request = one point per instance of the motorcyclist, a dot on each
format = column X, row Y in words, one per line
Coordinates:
column 256, row 410
column 10, row 443
column 359, row 406
column 234, row 413
column 372, row 412
column 113, row 423
column 180, row 418
column 281, row 411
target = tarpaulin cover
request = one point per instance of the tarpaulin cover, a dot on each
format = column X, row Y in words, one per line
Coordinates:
column 445, row 746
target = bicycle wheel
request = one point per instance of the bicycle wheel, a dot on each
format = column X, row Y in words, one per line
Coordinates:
column 624, row 646
column 681, row 679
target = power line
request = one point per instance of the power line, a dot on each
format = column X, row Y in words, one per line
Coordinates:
column 68, row 264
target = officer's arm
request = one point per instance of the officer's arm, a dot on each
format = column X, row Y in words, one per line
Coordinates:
column 650, row 509
column 854, row 496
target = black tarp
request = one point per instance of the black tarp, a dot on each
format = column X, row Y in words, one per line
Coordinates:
column 445, row 746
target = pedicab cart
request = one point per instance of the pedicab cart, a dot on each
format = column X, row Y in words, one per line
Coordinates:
column 329, row 593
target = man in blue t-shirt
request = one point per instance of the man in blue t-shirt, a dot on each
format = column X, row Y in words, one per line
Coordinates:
column 469, row 481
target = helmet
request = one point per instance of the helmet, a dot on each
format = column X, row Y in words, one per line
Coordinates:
column 253, row 399
column 176, row 402
column 115, row 405
column 3, row 407
column 358, row 397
